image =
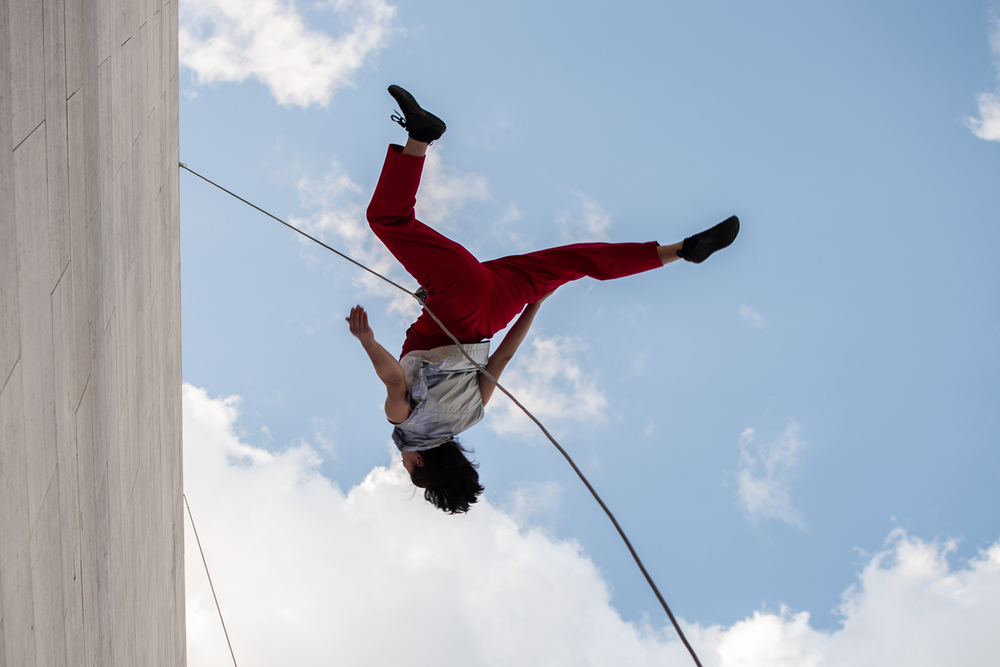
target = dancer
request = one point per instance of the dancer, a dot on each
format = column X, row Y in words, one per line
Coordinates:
column 433, row 392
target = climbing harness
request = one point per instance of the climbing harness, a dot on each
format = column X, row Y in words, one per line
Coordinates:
column 419, row 296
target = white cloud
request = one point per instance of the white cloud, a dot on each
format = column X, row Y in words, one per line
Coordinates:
column 987, row 126
column 550, row 382
column 232, row 40
column 533, row 502
column 338, row 219
column 764, row 475
column 443, row 193
column 588, row 224
column 753, row 317
column 338, row 207
column 504, row 229
column 310, row 575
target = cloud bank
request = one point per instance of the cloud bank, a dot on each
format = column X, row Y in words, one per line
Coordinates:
column 232, row 40
column 764, row 475
column 308, row 574
column 987, row 126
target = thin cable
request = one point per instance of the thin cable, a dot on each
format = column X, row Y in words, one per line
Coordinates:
column 583, row 478
column 205, row 562
column 482, row 369
column 296, row 229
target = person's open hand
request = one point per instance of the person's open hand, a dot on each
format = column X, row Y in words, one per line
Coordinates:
column 358, row 322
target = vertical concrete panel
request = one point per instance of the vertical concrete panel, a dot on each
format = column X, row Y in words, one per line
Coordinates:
column 91, row 536
column 83, row 293
column 103, row 29
column 123, row 19
column 77, row 51
column 88, row 525
column 10, row 327
column 54, row 33
column 27, row 59
column 50, row 635
column 153, row 68
column 102, row 495
column 34, row 289
column 139, row 80
column 121, row 102
column 92, row 107
column 67, row 400
column 15, row 555
column 171, row 8
column 103, row 175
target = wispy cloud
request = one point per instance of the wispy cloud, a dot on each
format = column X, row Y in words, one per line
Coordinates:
column 550, row 381
column 987, row 126
column 530, row 503
column 753, row 317
column 232, row 40
column 443, row 193
column 764, row 475
column 337, row 205
column 589, row 222
column 504, row 229
column 308, row 574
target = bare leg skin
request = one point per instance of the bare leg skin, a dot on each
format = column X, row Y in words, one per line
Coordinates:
column 667, row 253
column 414, row 147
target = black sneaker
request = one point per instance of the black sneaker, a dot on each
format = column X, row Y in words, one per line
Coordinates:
column 419, row 124
column 699, row 247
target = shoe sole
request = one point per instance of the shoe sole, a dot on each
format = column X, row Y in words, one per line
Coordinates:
column 728, row 235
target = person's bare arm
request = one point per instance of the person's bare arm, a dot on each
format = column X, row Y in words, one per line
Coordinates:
column 505, row 351
column 397, row 407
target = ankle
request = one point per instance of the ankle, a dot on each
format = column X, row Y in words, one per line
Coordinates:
column 415, row 148
column 668, row 253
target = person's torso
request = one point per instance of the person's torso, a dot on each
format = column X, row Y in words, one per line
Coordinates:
column 443, row 390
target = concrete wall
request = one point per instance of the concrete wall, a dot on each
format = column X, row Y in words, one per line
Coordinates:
column 91, row 529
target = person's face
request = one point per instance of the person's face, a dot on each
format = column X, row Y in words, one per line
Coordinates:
column 412, row 460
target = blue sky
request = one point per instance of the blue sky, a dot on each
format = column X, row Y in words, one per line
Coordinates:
column 815, row 405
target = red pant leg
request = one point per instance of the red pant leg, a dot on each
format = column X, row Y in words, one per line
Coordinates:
column 475, row 300
column 523, row 279
column 457, row 283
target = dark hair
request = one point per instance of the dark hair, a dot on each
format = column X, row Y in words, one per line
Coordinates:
column 448, row 478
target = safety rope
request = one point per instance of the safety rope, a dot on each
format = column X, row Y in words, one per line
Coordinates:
column 482, row 369
column 210, row 584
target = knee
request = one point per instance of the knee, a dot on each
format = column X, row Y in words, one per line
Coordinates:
column 373, row 214
column 379, row 215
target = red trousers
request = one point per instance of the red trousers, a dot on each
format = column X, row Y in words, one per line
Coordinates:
column 477, row 299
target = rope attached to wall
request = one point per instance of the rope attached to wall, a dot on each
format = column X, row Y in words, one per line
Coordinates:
column 499, row 386
column 210, row 584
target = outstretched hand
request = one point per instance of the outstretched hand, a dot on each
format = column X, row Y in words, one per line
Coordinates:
column 358, row 322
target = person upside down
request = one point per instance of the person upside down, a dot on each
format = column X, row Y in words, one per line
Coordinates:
column 433, row 392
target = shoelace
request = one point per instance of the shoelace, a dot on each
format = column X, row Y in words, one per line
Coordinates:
column 398, row 118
